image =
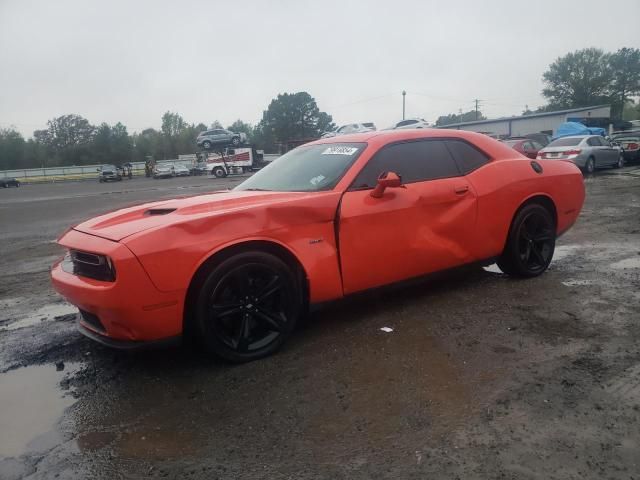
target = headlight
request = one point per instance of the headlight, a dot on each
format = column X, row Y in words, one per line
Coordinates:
column 90, row 265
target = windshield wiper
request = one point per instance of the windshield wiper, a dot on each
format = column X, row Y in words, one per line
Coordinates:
column 256, row 190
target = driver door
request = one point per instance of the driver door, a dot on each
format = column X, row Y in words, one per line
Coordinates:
column 426, row 225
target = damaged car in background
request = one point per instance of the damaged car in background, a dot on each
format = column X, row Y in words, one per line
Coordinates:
column 235, row 270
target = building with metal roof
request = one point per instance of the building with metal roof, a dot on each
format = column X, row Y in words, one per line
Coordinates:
column 545, row 122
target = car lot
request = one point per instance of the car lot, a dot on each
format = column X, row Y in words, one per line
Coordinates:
column 481, row 376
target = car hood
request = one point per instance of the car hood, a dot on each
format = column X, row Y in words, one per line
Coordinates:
column 123, row 223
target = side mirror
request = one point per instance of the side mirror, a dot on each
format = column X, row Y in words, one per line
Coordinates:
column 386, row 180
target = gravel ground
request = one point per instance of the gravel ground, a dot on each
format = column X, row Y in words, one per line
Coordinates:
column 482, row 376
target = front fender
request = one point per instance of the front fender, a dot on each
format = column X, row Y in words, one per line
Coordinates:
column 173, row 254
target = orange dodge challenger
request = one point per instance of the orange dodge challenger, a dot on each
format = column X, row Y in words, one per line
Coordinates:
column 336, row 216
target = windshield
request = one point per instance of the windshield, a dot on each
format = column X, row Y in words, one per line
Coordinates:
column 565, row 142
column 306, row 169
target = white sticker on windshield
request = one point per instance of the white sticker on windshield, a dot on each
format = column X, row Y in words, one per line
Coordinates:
column 316, row 180
column 338, row 150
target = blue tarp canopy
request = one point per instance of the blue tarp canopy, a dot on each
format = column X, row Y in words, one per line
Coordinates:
column 569, row 129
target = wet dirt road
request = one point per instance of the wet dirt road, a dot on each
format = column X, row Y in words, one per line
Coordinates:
column 482, row 376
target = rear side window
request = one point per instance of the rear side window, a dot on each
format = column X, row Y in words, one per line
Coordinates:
column 466, row 156
column 594, row 142
column 413, row 161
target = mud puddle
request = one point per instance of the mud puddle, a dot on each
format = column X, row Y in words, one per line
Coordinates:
column 32, row 402
column 48, row 312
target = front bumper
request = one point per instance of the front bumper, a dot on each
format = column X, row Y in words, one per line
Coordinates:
column 129, row 309
column 130, row 345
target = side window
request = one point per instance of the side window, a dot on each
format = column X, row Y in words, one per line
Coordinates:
column 413, row 161
column 467, row 157
column 536, row 145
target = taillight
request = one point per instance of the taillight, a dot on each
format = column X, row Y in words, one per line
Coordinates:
column 568, row 153
column 632, row 146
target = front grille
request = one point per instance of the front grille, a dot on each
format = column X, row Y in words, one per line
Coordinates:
column 93, row 320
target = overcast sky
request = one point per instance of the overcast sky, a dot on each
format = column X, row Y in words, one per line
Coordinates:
column 131, row 61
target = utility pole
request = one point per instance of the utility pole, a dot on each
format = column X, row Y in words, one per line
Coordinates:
column 477, row 103
column 404, row 94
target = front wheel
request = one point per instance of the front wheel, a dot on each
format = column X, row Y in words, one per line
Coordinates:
column 235, row 141
column 247, row 306
column 206, row 144
column 530, row 244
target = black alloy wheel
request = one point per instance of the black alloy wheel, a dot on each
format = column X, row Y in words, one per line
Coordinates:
column 206, row 144
column 235, row 141
column 531, row 242
column 248, row 306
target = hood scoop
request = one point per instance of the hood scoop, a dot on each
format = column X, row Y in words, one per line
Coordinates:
column 159, row 211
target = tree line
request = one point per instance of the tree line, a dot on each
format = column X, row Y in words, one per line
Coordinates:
column 73, row 140
column 582, row 78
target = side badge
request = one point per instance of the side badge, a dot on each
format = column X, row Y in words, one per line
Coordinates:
column 315, row 240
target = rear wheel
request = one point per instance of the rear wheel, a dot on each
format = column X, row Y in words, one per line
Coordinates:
column 620, row 162
column 235, row 141
column 206, row 144
column 530, row 244
column 247, row 306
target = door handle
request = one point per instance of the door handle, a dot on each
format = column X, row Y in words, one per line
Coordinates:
column 461, row 189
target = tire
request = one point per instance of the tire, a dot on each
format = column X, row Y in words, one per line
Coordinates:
column 219, row 172
column 590, row 166
column 247, row 306
column 620, row 162
column 206, row 144
column 100, row 180
column 235, row 141
column 530, row 243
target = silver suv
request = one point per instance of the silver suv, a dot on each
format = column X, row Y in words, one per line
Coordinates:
column 220, row 137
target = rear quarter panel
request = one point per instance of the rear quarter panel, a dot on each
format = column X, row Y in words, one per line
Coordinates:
column 503, row 186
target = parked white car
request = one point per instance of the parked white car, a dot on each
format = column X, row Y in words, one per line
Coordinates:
column 588, row 152
column 411, row 123
column 350, row 128
column 163, row 171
